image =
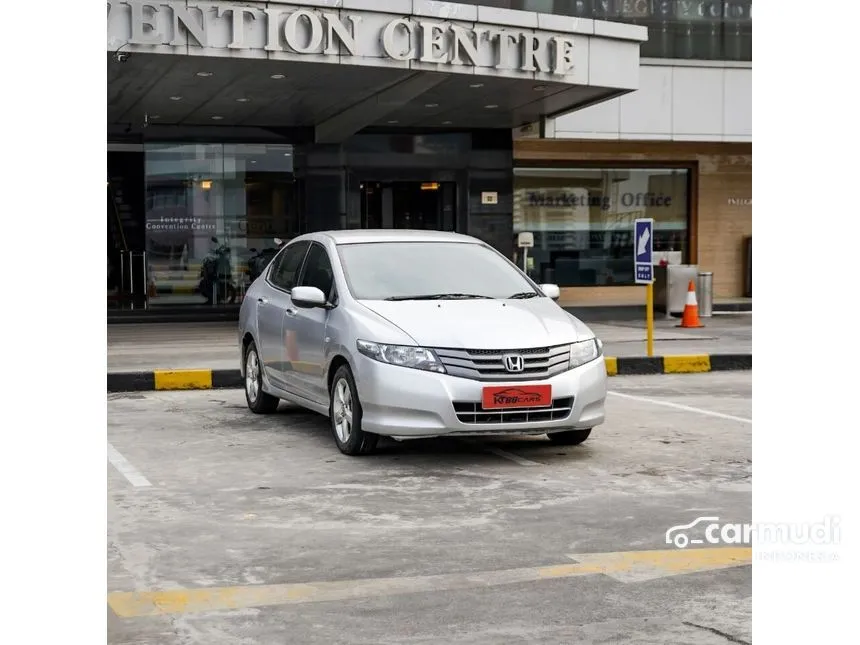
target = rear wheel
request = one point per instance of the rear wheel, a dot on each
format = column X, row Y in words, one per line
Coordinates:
column 569, row 437
column 345, row 416
column 258, row 401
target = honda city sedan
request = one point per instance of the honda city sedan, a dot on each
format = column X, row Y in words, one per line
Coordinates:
column 412, row 334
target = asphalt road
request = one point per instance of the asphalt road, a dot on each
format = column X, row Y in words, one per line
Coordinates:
column 236, row 528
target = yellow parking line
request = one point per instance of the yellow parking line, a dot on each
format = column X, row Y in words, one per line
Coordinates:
column 183, row 379
column 686, row 364
column 639, row 565
column 611, row 366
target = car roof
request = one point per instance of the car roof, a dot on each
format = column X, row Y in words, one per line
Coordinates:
column 364, row 236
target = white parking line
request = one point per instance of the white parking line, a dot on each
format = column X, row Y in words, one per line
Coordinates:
column 686, row 408
column 128, row 471
column 509, row 455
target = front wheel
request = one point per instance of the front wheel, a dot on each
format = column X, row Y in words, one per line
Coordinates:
column 569, row 437
column 258, row 401
column 345, row 416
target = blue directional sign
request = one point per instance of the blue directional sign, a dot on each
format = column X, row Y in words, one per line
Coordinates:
column 643, row 250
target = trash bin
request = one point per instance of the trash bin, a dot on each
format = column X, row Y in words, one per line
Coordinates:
column 670, row 287
column 705, row 294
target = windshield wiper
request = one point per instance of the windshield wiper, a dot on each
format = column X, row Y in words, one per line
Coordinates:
column 522, row 295
column 441, row 296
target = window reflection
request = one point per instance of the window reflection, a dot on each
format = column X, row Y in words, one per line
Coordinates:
column 691, row 29
column 582, row 220
column 214, row 204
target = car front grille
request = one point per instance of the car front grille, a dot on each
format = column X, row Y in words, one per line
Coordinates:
column 488, row 365
column 474, row 412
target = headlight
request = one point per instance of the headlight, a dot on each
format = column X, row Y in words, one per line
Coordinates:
column 417, row 358
column 584, row 352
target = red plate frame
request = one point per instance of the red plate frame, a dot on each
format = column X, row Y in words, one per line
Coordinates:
column 516, row 396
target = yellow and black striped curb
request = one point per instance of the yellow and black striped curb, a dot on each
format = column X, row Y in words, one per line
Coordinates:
column 620, row 366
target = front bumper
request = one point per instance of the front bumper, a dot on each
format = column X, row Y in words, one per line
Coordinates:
column 408, row 403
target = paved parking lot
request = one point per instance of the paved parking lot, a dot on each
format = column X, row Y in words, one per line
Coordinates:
column 227, row 527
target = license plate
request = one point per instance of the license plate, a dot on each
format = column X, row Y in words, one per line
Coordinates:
column 517, row 396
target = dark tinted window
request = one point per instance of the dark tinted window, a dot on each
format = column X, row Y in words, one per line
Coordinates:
column 287, row 265
column 318, row 271
column 693, row 29
column 381, row 270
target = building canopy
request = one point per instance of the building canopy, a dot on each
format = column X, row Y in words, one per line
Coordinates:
column 401, row 63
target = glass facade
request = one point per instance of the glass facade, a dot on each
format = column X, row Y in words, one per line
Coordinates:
column 210, row 213
column 210, row 209
column 582, row 220
column 194, row 222
column 686, row 29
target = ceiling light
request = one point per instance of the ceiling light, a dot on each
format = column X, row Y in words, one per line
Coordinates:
column 476, row 85
column 446, row 123
column 491, row 106
column 277, row 77
column 242, row 100
column 217, row 118
column 288, row 154
column 175, row 98
column 393, row 121
column 431, row 105
column 154, row 116
column 539, row 88
column 253, row 161
column 204, row 74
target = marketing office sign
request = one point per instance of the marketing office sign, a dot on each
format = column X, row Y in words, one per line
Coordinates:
column 322, row 34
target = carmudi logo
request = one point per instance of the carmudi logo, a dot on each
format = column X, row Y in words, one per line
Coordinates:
column 709, row 530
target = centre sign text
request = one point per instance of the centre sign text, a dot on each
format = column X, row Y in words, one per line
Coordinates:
column 337, row 33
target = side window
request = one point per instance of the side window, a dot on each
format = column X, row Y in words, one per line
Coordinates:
column 286, row 270
column 318, row 271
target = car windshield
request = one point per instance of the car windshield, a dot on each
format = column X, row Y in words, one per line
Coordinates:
column 429, row 270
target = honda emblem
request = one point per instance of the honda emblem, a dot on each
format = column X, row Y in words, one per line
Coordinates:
column 513, row 362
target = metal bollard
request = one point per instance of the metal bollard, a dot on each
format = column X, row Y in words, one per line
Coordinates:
column 705, row 295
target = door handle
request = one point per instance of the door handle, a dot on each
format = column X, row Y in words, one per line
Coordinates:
column 263, row 301
column 291, row 312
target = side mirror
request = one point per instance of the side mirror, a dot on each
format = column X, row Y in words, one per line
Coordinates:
column 252, row 250
column 307, row 297
column 278, row 241
column 214, row 239
column 551, row 291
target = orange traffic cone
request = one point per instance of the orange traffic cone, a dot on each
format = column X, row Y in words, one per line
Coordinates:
column 690, row 317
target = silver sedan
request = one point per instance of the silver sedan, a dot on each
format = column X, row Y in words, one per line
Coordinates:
column 411, row 334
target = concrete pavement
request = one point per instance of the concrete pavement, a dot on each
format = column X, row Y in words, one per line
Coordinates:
column 213, row 512
column 174, row 346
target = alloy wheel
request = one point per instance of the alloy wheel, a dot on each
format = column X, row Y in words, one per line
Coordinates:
column 252, row 376
column 342, row 410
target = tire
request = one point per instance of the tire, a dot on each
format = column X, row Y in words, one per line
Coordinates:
column 344, row 413
column 258, row 401
column 569, row 437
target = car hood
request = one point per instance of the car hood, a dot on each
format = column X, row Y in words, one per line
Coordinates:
column 483, row 324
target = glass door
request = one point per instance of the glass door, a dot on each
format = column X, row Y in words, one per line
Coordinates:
column 422, row 205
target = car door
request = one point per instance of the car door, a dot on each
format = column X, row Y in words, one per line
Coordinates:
column 273, row 301
column 308, row 327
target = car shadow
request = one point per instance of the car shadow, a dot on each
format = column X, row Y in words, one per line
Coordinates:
column 310, row 426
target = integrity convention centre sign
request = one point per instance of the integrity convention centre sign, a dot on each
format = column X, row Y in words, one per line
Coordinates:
column 258, row 30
